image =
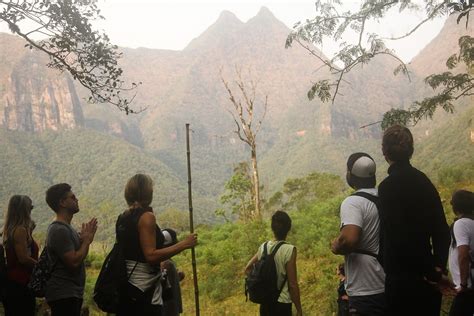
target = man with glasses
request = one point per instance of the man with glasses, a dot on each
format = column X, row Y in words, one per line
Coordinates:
column 67, row 250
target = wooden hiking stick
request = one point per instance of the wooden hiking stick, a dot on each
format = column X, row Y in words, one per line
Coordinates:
column 191, row 222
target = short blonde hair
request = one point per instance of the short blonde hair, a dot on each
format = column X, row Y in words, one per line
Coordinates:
column 139, row 190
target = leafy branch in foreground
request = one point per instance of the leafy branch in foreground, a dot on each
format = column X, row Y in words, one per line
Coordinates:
column 332, row 24
column 451, row 87
column 72, row 45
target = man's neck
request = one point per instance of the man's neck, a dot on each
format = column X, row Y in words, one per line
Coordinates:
column 364, row 188
column 64, row 216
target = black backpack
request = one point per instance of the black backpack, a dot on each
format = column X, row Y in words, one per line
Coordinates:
column 113, row 278
column 376, row 200
column 42, row 271
column 41, row 274
column 261, row 285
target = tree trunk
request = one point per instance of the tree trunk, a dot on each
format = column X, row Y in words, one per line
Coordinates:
column 256, row 183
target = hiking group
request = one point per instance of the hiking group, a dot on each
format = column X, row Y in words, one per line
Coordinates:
column 395, row 241
column 58, row 274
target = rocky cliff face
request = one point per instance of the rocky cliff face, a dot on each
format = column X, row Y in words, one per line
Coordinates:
column 35, row 100
column 186, row 86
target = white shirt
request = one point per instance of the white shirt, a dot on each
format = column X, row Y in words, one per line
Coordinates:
column 364, row 274
column 464, row 235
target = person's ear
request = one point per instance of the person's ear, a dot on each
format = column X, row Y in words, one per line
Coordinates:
column 349, row 179
column 61, row 203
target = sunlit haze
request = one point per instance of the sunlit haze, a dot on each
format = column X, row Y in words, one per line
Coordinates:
column 172, row 24
column 166, row 24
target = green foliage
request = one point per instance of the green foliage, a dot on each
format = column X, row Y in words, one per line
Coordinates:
column 175, row 219
column 321, row 89
column 447, row 154
column 225, row 249
column 331, row 23
column 94, row 261
column 238, row 194
column 451, row 176
column 451, row 86
column 299, row 192
column 72, row 44
column 29, row 164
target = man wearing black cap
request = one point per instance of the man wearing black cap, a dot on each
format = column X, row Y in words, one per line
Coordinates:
column 358, row 240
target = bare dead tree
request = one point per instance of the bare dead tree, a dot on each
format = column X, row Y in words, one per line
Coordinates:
column 243, row 112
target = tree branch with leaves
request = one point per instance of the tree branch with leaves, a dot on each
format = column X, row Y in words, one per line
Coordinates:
column 239, row 194
column 72, row 45
column 450, row 86
column 330, row 24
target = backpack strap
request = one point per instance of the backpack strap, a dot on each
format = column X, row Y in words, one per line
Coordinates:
column 376, row 200
column 365, row 252
column 264, row 253
column 372, row 198
column 274, row 251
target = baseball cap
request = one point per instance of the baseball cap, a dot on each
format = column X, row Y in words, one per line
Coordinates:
column 361, row 165
column 170, row 237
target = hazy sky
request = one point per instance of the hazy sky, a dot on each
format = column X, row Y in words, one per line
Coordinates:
column 172, row 24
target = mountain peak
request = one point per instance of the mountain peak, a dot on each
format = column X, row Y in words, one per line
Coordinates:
column 266, row 20
column 227, row 23
column 265, row 12
column 227, row 17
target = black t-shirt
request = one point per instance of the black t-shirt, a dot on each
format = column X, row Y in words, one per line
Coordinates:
column 127, row 235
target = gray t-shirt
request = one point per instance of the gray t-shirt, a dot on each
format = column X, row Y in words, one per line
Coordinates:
column 364, row 275
column 64, row 282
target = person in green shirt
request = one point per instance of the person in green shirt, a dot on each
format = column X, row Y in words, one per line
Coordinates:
column 285, row 261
